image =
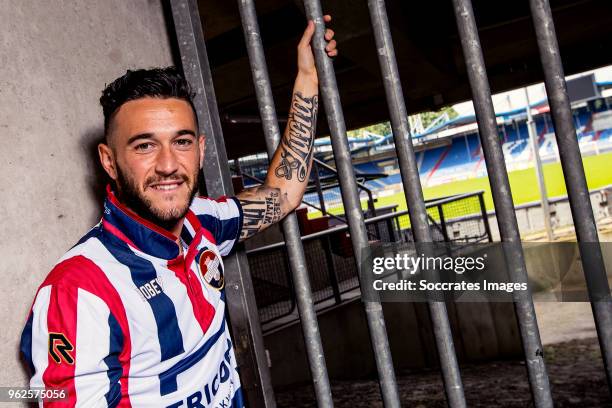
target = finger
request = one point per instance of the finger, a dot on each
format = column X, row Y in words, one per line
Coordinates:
column 327, row 18
column 329, row 34
column 330, row 45
column 332, row 53
column 307, row 36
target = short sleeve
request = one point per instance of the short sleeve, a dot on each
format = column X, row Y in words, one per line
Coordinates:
column 222, row 217
column 69, row 347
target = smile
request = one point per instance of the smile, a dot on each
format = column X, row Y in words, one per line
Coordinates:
column 166, row 186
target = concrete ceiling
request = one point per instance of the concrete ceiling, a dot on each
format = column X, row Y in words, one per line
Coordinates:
column 427, row 48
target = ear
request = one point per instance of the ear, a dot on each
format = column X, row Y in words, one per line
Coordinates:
column 202, row 146
column 107, row 159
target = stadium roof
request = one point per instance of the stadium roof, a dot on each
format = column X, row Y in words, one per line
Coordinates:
column 427, row 47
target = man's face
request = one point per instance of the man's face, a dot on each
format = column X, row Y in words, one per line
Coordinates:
column 153, row 155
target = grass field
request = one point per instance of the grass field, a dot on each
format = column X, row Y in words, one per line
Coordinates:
column 523, row 184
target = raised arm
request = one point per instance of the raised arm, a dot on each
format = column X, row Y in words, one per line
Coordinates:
column 289, row 169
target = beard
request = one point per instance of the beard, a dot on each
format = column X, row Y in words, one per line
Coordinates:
column 131, row 196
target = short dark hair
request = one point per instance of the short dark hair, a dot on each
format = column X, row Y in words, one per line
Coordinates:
column 152, row 83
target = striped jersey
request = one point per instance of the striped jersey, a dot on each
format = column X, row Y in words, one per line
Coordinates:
column 124, row 319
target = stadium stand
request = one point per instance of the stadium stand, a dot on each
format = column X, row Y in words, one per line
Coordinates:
column 451, row 151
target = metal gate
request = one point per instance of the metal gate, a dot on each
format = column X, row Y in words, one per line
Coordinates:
column 242, row 309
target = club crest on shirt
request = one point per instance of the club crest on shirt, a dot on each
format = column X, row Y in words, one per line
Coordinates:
column 211, row 269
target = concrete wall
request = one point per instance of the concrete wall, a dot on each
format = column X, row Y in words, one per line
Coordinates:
column 481, row 332
column 56, row 57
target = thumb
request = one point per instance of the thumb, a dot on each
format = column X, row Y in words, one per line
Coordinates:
column 308, row 33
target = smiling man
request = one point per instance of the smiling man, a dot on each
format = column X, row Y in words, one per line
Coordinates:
column 134, row 313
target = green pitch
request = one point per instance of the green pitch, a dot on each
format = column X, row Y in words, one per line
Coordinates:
column 523, row 184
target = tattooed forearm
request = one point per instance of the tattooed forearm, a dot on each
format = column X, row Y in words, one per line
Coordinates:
column 287, row 177
column 297, row 145
column 261, row 207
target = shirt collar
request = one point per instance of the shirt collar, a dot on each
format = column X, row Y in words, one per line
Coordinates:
column 136, row 231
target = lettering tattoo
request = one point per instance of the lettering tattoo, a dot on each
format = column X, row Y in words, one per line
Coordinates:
column 261, row 207
column 297, row 145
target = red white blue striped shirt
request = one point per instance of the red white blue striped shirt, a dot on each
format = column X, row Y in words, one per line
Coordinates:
column 124, row 319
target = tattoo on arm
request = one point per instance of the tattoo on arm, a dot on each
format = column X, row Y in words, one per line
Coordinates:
column 296, row 146
column 261, row 207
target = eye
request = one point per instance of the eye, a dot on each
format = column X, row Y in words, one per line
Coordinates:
column 143, row 147
column 184, row 142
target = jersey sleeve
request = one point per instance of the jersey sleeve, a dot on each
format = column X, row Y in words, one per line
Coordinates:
column 221, row 217
column 71, row 342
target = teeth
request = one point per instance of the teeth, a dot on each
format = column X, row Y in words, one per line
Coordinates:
column 166, row 186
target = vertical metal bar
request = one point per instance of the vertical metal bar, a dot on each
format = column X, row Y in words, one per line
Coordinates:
column 350, row 198
column 317, row 179
column 398, row 226
column 371, row 207
column 502, row 198
column 573, row 171
column 371, row 211
column 331, row 269
column 290, row 283
column 485, row 216
column 414, row 193
column 391, row 229
column 241, row 305
column 295, row 250
column 539, row 170
column 238, row 168
column 443, row 223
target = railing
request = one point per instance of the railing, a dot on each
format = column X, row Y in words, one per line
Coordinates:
column 329, row 255
column 335, row 184
column 319, row 185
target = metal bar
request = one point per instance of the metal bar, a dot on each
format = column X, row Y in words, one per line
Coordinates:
column 502, row 198
column 241, row 305
column 309, row 205
column 391, row 229
column 371, row 209
column 315, row 169
column 414, row 193
column 433, row 202
column 237, row 167
column 331, row 270
column 330, row 168
column 397, row 224
column 443, row 223
column 290, row 281
column 372, row 213
column 378, row 218
column 539, row 170
column 350, row 198
column 303, row 201
column 342, row 220
column 485, row 216
column 291, row 231
column 573, row 171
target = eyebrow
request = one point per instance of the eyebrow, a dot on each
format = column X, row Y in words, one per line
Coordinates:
column 186, row 132
column 139, row 136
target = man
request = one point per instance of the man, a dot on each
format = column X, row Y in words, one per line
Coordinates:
column 133, row 314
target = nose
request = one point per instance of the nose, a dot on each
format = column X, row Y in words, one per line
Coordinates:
column 167, row 163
